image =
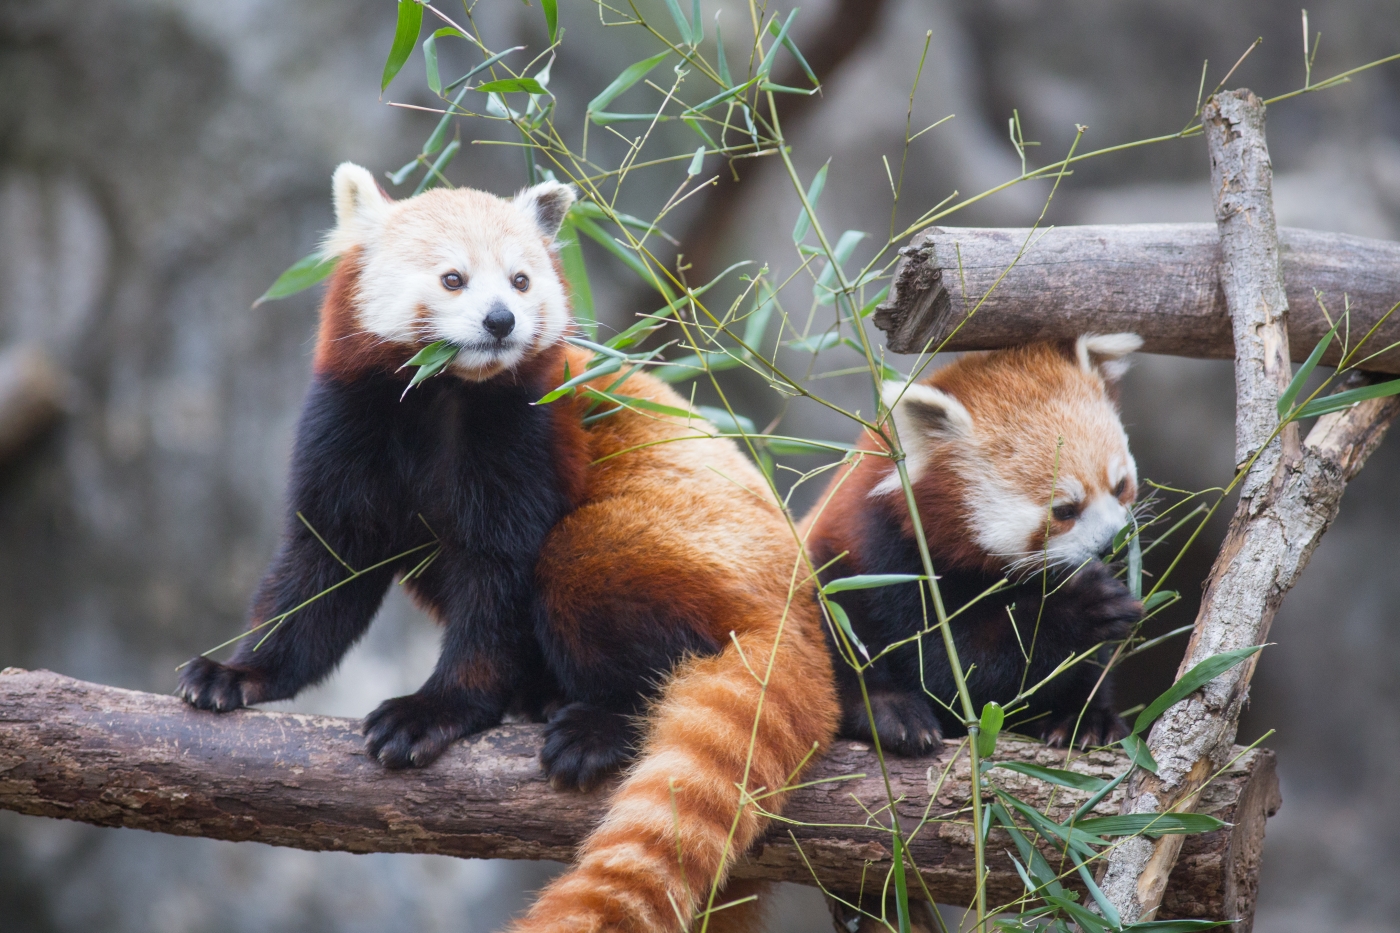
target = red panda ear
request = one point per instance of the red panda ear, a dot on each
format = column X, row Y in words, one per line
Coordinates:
column 361, row 206
column 1104, row 354
column 924, row 417
column 546, row 204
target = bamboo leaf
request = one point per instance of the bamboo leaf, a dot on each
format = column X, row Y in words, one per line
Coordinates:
column 576, row 276
column 430, row 361
column 511, row 86
column 630, row 76
column 1138, row 752
column 602, row 369
column 823, row 290
column 901, row 884
column 1159, row 598
column 1342, row 400
column 869, row 581
column 1072, row 779
column 697, row 163
column 551, row 18
column 1285, row 401
column 767, row 64
column 681, row 22
column 791, row 47
column 1204, row 672
column 1153, row 824
column 1175, row 926
column 406, row 29
column 483, row 66
column 721, row 63
column 814, row 193
column 797, row 447
column 726, row 422
column 1135, row 566
column 430, row 59
column 301, row 275
column 843, row 621
column 992, row 718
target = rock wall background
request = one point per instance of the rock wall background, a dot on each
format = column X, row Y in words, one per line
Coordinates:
column 161, row 163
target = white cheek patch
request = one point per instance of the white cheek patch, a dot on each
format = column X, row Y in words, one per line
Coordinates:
column 1004, row 521
column 1098, row 522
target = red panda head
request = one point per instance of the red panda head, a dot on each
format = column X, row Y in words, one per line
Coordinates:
column 458, row 265
column 1028, row 446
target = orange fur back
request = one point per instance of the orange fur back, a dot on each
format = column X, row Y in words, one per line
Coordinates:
column 683, row 517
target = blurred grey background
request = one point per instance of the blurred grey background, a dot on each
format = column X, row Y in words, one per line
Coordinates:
column 162, row 162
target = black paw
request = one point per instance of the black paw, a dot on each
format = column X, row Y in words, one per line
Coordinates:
column 412, row 731
column 1104, row 602
column 583, row 744
column 206, row 684
column 1096, row 728
column 905, row 723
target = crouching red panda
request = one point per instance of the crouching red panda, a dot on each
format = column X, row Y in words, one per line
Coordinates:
column 593, row 572
column 1019, row 463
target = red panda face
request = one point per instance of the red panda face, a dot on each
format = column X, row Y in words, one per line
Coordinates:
column 457, row 265
column 1029, row 443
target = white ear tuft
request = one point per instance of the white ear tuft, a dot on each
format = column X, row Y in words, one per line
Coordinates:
column 546, row 204
column 1104, row 354
column 923, row 416
column 360, row 207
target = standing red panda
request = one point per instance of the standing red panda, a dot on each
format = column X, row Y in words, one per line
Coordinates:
column 1019, row 463
column 590, row 571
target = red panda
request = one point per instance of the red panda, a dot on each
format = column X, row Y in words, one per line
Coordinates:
column 1019, row 463
column 630, row 579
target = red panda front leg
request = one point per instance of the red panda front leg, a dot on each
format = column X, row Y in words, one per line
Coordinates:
column 484, row 605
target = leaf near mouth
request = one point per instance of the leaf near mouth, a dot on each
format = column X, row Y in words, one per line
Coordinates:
column 430, row 361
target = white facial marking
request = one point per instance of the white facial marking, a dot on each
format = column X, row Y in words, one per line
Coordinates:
column 1004, row 520
column 1093, row 530
column 923, row 416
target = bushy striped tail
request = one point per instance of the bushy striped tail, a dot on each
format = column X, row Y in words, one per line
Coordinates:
column 686, row 811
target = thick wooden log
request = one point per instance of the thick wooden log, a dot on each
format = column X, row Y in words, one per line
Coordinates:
column 1161, row 281
column 111, row 757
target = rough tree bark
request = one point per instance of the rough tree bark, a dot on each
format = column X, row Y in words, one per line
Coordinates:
column 1288, row 498
column 1161, row 281
column 80, row 751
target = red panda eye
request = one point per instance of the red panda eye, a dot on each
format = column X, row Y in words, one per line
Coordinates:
column 1121, row 488
column 1067, row 512
column 453, row 281
column 521, row 281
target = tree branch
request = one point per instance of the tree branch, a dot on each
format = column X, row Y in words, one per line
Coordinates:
column 1289, row 497
column 80, row 751
column 1161, row 281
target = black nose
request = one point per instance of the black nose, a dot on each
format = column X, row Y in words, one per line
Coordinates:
column 499, row 322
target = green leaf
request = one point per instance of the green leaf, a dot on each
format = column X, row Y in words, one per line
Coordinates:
column 791, row 47
column 767, row 64
column 511, row 86
column 843, row 621
column 726, row 422
column 1072, row 779
column 823, row 290
column 721, row 64
column 1046, row 878
column 697, row 28
column 430, row 59
column 406, row 29
column 816, row 343
column 1295, row 385
column 901, row 884
column 1200, row 675
column 756, row 324
column 593, row 372
column 1106, row 908
column 304, row 273
column 483, row 66
column 1175, row 926
column 627, row 256
column 1138, row 752
column 430, row 361
column 1153, row 824
column 723, row 96
column 576, row 276
column 681, row 22
column 992, row 718
column 434, row 173
column 814, row 193
column 697, row 163
column 798, row 447
column 869, row 581
column 1159, row 598
column 1341, row 400
column 1088, row 921
column 551, row 18
column 630, row 76
column 629, row 401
